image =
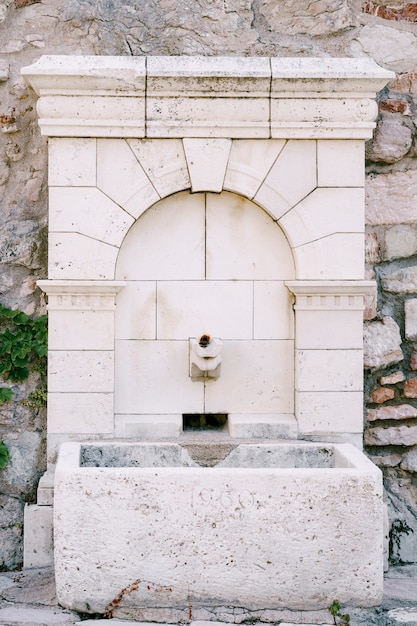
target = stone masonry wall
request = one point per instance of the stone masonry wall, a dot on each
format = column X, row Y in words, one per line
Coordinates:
column 385, row 30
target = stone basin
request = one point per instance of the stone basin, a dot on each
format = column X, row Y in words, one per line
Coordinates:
column 284, row 525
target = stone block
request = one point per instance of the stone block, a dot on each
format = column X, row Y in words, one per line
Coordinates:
column 178, row 225
column 273, row 317
column 410, row 387
column 383, row 44
column 231, row 222
column 121, row 177
column 382, row 344
column 38, row 536
column 321, row 413
column 329, row 370
column 392, row 140
column 191, row 308
column 388, row 198
column 331, row 330
column 80, row 330
column 94, row 259
column 398, row 412
column 201, row 152
column 284, row 187
column 91, row 371
column 152, row 377
column 72, row 162
column 402, row 281
column 392, row 379
column 164, row 163
column 249, row 163
column 82, row 413
column 341, row 254
column 393, row 436
column 262, row 426
column 340, row 163
column 324, row 212
column 400, row 241
column 256, row 377
column 410, row 309
column 89, row 212
column 135, row 316
column 148, row 426
column 381, row 395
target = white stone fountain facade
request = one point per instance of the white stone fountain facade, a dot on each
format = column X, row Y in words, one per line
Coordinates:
column 191, row 196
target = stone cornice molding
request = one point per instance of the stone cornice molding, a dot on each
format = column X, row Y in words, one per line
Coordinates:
column 318, row 295
column 161, row 97
column 81, row 295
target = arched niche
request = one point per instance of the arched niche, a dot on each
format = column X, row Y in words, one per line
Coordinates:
column 197, row 264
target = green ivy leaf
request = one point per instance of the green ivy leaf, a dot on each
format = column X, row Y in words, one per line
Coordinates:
column 4, row 455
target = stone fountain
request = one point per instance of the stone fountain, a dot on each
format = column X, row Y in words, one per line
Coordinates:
column 206, row 266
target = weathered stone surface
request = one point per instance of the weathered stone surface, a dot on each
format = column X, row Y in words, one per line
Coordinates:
column 388, row 460
column 395, row 105
column 402, row 281
column 400, row 241
column 20, row 243
column 405, row 83
column 410, row 388
column 388, row 198
column 399, row 412
column 33, row 587
column 394, row 436
column 371, row 248
column 409, row 461
column 392, row 140
column 413, row 358
column 317, row 18
column 392, row 379
column 382, row 394
column 394, row 49
column 410, row 310
column 4, row 65
column 406, row 12
column 382, row 343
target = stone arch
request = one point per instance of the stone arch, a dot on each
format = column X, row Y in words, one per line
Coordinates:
column 222, row 272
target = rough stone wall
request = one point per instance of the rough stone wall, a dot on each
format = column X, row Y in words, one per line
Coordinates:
column 385, row 30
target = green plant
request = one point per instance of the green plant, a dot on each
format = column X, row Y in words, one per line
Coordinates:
column 23, row 346
column 4, row 455
column 334, row 610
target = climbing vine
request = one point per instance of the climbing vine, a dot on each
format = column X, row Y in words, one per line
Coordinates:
column 4, row 455
column 23, row 348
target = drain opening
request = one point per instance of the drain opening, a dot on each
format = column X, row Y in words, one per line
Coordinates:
column 204, row 421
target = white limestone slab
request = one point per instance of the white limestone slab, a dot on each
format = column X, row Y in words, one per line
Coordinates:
column 152, row 377
column 121, row 177
column 136, row 311
column 90, row 371
column 193, row 308
column 330, row 330
column 292, row 177
column 207, row 161
column 340, row 163
column 273, row 316
column 72, row 162
column 324, row 212
column 38, row 536
column 262, row 426
column 329, row 370
column 167, row 242
column 337, row 257
column 94, row 260
column 323, row 413
column 89, row 212
column 80, row 413
column 164, row 162
column 256, row 377
column 243, row 242
column 148, row 426
column 80, row 330
column 249, row 162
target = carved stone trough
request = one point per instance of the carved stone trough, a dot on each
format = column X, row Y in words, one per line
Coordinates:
column 270, row 526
